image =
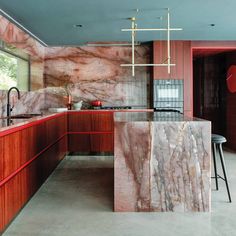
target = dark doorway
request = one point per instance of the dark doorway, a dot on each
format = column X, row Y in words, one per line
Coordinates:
column 209, row 86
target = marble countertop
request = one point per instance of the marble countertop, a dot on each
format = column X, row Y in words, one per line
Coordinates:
column 153, row 117
column 7, row 125
column 11, row 125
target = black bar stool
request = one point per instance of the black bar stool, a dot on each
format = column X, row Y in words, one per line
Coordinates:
column 217, row 141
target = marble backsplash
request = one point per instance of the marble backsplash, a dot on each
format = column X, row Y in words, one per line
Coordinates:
column 91, row 73
column 86, row 73
column 30, row 102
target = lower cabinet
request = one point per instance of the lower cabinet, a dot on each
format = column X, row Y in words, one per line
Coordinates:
column 90, row 143
column 28, row 156
column 91, row 132
column 24, row 168
column 102, row 142
column 2, row 209
column 79, row 143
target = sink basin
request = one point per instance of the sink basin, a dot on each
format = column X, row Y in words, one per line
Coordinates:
column 21, row 116
column 24, row 116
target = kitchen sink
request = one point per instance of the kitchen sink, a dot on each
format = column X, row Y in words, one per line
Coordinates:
column 22, row 116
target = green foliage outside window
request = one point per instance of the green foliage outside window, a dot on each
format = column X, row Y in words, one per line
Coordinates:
column 8, row 71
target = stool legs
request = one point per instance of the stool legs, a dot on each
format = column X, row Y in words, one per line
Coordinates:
column 224, row 170
column 214, row 162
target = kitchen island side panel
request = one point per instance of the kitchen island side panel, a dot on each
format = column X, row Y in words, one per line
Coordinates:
column 162, row 166
column 132, row 167
column 180, row 167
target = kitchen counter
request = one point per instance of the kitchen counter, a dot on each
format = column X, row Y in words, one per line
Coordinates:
column 30, row 149
column 152, row 116
column 162, row 162
column 17, row 124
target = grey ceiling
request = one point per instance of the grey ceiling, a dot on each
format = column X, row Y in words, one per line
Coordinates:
column 52, row 20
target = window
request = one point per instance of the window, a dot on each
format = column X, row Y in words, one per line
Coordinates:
column 14, row 68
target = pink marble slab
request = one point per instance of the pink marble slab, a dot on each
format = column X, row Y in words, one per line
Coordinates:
column 131, row 167
column 162, row 166
column 91, row 72
column 29, row 102
column 94, row 73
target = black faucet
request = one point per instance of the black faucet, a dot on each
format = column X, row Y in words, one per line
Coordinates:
column 9, row 108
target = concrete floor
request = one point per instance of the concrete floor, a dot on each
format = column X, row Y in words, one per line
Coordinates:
column 77, row 199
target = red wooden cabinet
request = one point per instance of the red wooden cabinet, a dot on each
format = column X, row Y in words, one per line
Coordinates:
column 12, row 155
column 79, row 143
column 178, row 54
column 1, row 189
column 1, row 159
column 102, row 122
column 90, row 131
column 27, row 158
column 2, row 209
column 79, row 122
column 102, row 142
column 29, row 155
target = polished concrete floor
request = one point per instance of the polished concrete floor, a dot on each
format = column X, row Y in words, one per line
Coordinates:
column 77, row 199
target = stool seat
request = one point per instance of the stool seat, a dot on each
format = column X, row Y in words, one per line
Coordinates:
column 216, row 138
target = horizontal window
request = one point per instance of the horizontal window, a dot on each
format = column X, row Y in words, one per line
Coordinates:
column 14, row 70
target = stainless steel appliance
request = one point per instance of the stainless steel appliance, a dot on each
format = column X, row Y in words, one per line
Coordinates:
column 168, row 94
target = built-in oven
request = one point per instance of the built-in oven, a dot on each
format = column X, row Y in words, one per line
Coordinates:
column 168, row 94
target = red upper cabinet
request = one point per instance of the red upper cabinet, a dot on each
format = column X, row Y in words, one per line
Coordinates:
column 180, row 56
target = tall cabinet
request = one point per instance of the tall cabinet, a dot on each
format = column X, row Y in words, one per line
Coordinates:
column 182, row 58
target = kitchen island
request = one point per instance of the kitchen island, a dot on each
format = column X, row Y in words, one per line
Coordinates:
column 162, row 162
column 30, row 149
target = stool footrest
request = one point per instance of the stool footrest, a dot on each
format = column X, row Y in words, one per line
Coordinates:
column 219, row 177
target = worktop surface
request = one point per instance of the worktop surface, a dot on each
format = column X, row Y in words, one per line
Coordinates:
column 153, row 117
column 8, row 125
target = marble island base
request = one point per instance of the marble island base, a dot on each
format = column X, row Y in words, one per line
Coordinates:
column 161, row 165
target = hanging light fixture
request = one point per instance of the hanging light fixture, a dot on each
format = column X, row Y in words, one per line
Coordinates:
column 135, row 29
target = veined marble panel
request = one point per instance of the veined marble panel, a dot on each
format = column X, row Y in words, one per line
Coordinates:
column 162, row 166
column 132, row 170
column 30, row 102
column 95, row 73
column 180, row 167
